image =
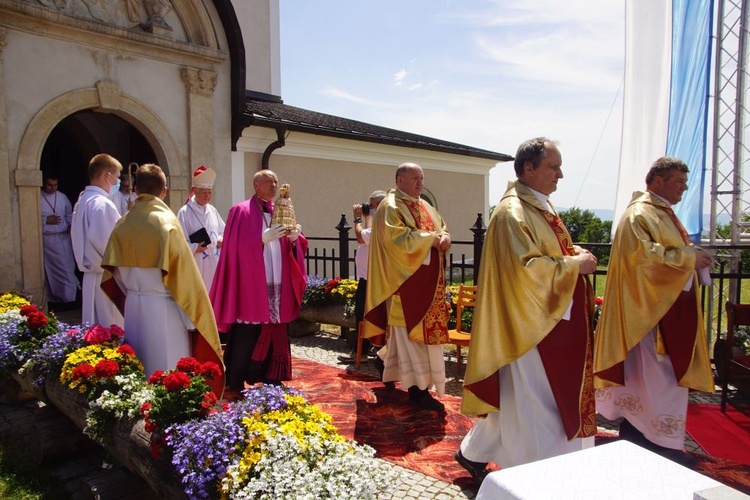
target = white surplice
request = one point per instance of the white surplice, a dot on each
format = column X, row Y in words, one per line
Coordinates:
column 120, row 200
column 528, row 426
column 155, row 326
column 94, row 217
column 192, row 217
column 651, row 400
column 59, row 263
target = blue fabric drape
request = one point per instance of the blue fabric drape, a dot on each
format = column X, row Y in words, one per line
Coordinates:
column 692, row 22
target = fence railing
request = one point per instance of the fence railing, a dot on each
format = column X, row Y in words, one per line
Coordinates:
column 334, row 256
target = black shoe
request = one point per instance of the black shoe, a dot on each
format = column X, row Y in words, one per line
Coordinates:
column 347, row 360
column 477, row 470
column 423, row 399
column 390, row 385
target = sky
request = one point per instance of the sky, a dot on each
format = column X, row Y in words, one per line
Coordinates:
column 488, row 74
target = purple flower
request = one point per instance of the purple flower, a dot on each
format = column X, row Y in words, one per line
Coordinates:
column 51, row 355
column 203, row 449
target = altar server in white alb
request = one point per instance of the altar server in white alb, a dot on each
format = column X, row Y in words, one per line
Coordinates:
column 59, row 266
column 94, row 217
column 202, row 224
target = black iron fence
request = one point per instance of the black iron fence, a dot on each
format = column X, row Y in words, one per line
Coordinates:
column 329, row 257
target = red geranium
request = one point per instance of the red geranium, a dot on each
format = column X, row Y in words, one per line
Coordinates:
column 210, row 370
column 84, row 370
column 188, row 365
column 599, row 301
column 97, row 334
column 176, row 381
column 106, row 368
column 156, row 377
column 126, row 349
column 36, row 319
column 116, row 331
column 27, row 309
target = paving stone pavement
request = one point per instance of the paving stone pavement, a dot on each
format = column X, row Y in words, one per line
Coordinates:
column 326, row 345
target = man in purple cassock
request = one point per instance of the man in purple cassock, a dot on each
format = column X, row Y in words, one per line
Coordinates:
column 257, row 289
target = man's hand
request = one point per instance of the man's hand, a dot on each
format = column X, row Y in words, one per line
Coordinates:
column 703, row 258
column 442, row 241
column 201, row 247
column 273, row 233
column 586, row 262
column 357, row 210
column 53, row 220
column 219, row 242
column 294, row 234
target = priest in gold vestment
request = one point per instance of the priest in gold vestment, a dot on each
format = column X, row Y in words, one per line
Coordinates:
column 528, row 375
column 406, row 288
column 650, row 345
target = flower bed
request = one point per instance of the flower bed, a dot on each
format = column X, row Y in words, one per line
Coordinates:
column 171, row 430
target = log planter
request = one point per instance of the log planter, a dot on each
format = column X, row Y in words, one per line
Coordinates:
column 129, row 443
column 332, row 314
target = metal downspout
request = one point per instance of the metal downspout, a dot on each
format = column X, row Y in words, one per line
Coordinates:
column 278, row 143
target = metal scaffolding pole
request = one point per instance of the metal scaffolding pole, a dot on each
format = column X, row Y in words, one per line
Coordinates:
column 730, row 196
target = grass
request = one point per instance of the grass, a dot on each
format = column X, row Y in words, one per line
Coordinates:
column 21, row 480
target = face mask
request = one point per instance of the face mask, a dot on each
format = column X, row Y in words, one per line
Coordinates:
column 114, row 188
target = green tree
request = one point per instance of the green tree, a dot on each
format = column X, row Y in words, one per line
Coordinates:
column 585, row 227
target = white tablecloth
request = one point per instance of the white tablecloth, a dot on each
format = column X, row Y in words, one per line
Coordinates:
column 619, row 470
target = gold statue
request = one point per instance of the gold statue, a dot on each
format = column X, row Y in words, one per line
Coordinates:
column 283, row 211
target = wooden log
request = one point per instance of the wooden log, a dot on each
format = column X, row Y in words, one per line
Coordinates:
column 26, row 383
column 55, row 437
column 115, row 484
column 129, row 443
column 332, row 314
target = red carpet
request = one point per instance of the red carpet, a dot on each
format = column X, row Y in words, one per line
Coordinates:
column 723, row 435
column 365, row 411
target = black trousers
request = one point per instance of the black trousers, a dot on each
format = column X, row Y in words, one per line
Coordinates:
column 240, row 367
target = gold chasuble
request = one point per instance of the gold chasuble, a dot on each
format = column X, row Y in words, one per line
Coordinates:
column 150, row 236
column 527, row 279
column 402, row 234
column 652, row 260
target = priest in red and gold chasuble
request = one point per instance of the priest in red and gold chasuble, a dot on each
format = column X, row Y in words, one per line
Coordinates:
column 529, row 372
column 406, row 286
column 650, row 345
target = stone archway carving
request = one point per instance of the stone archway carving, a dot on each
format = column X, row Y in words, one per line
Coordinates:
column 105, row 97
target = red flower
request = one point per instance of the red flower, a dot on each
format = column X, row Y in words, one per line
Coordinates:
column 156, row 446
column 27, row 309
column 150, row 426
column 599, row 301
column 72, row 332
column 209, row 399
column 36, row 319
column 145, row 407
column 176, row 381
column 210, row 370
column 155, row 377
column 188, row 365
column 106, row 368
column 126, row 349
column 84, row 370
column 116, row 331
column 96, row 335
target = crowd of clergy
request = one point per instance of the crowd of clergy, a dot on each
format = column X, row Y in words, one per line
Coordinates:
column 537, row 372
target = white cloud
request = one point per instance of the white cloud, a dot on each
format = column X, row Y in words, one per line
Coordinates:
column 336, row 93
column 400, row 76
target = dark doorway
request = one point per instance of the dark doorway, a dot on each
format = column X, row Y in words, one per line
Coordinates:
column 80, row 136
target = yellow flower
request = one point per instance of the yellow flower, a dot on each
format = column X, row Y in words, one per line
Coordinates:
column 10, row 301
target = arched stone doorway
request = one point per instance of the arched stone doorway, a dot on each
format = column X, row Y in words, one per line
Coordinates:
column 80, row 136
column 89, row 112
